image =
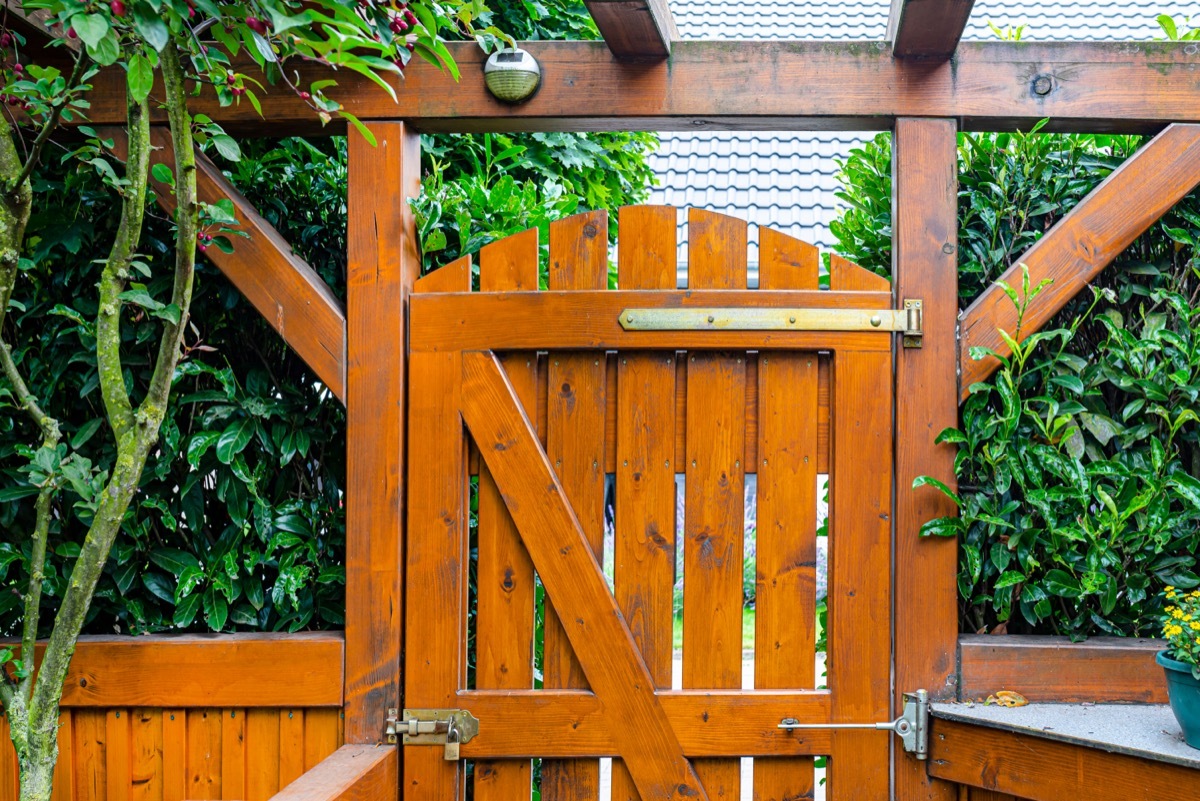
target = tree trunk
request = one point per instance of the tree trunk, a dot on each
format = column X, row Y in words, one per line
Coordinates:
column 37, row 771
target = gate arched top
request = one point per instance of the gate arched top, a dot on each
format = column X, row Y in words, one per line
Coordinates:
column 646, row 256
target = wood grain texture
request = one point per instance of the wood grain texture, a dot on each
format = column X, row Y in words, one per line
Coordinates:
column 785, row 617
column 204, row 767
column 287, row 292
column 645, row 462
column 291, row 746
column 928, row 29
column 1054, row 669
column 714, row 503
column 1082, row 244
column 575, row 411
column 559, row 549
column 437, row 564
column 1046, row 770
column 635, row 30
column 860, row 553
column 708, row 723
column 193, row 670
column 383, row 262
column 751, row 85
column 925, row 266
column 590, row 320
column 504, row 629
column 351, row 773
column 846, row 276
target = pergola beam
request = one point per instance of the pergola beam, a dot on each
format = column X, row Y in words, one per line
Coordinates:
column 927, row 29
column 1079, row 86
column 1081, row 245
column 635, row 30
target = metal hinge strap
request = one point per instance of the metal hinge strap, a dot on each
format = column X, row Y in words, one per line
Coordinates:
column 912, row 727
column 906, row 321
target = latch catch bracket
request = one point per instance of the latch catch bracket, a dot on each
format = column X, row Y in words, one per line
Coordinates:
column 912, row 727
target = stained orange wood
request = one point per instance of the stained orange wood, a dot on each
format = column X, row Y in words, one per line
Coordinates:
column 1047, row 770
column 1082, row 244
column 590, row 320
column 859, row 596
column 233, row 753
column 504, row 634
column 1054, row 669
column 64, row 769
column 559, row 548
column 175, row 745
column 708, row 723
column 752, row 85
column 91, row 755
column 644, row 448
column 447, row 278
column 635, row 30
column 320, row 735
column 291, row 745
column 118, row 753
column 437, row 563
column 846, row 276
column 262, row 771
column 8, row 761
column 285, row 290
column 203, row 754
column 352, row 773
column 575, row 410
column 786, row 535
column 383, row 262
column 713, row 529
column 924, row 232
column 146, row 774
column 928, row 29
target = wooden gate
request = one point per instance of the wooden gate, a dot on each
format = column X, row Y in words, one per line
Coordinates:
column 540, row 394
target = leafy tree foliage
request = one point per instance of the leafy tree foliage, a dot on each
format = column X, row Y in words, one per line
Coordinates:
column 1078, row 460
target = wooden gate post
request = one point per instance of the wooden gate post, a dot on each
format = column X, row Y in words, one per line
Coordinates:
column 925, row 266
column 383, row 262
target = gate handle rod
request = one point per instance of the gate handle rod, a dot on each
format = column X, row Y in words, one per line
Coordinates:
column 912, row 727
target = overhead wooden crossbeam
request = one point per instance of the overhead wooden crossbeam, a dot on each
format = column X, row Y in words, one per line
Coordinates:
column 1081, row 245
column 927, row 28
column 1079, row 86
column 635, row 30
column 281, row 285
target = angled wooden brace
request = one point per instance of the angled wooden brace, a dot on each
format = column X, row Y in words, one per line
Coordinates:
column 635, row 30
column 281, row 285
column 1082, row 244
column 558, row 546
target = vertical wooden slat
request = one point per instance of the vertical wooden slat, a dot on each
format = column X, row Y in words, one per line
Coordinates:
column 64, row 770
column 925, row 239
column 118, row 753
column 9, row 784
column 382, row 263
column 262, row 738
column 291, row 746
column 436, row 549
column 846, row 276
column 203, row 754
column 175, row 749
column 644, row 550
column 233, row 754
column 146, row 772
column 504, row 637
column 859, row 598
column 786, row 548
column 90, row 758
column 714, row 537
column 320, row 735
column 575, row 411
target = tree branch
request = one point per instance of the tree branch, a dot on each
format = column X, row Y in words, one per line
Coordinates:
column 33, row 595
column 116, row 273
column 43, row 136
column 45, row 423
column 154, row 405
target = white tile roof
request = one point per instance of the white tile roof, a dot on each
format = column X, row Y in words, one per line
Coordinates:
column 786, row 180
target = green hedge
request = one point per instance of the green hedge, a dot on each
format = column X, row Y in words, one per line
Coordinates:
column 1078, row 460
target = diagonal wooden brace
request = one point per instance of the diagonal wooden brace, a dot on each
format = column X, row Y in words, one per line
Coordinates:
column 573, row 578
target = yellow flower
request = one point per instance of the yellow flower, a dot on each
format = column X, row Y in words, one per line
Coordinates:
column 1169, row 587
column 1177, row 614
column 1194, row 626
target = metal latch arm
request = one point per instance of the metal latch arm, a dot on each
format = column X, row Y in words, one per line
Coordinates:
column 912, row 727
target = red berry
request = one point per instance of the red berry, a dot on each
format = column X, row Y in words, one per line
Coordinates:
column 238, row 91
column 17, row 67
column 5, row 39
column 257, row 25
column 71, row 33
column 191, row 13
column 117, row 7
column 305, row 95
column 410, row 17
column 411, row 46
column 202, row 248
column 231, row 79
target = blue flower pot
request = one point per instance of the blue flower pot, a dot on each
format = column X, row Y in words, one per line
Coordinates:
column 1184, row 691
